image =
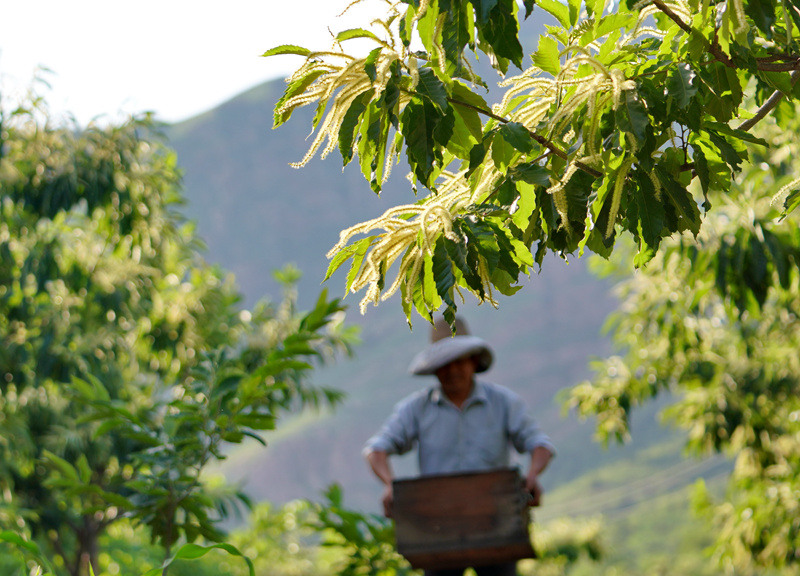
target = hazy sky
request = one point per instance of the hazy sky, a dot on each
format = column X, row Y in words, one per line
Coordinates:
column 175, row 57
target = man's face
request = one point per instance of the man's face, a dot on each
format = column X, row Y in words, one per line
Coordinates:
column 455, row 378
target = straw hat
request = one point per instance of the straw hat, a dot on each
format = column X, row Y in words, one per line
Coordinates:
column 445, row 348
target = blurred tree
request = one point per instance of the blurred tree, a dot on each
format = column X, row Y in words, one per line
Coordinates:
column 126, row 362
column 714, row 321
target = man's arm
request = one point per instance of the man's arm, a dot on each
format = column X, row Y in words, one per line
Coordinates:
column 540, row 458
column 379, row 462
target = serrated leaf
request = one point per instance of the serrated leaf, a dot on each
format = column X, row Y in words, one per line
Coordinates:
column 650, row 211
column 355, row 33
column 791, row 203
column 442, row 269
column 525, row 205
column 528, row 7
column 633, row 117
column 557, row 9
column 701, row 168
column 546, row 56
column 735, row 133
column 287, row 49
column 432, row 88
column 370, row 64
column 349, row 127
column 518, row 136
column 681, row 200
column 418, row 123
column 531, row 174
column 682, row 84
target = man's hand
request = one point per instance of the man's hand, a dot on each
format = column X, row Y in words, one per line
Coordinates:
column 387, row 500
column 534, row 489
column 540, row 458
column 379, row 462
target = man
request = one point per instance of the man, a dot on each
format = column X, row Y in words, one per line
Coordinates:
column 460, row 425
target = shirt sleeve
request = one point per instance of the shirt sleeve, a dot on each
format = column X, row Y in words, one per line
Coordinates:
column 399, row 433
column 523, row 431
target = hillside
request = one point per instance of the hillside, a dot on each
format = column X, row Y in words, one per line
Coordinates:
column 257, row 213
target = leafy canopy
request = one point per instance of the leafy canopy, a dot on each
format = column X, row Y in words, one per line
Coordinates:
column 126, row 362
column 598, row 136
column 714, row 322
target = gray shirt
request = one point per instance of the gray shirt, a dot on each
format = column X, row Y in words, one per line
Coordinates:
column 476, row 437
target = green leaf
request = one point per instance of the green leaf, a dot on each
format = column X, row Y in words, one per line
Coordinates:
column 501, row 31
column 518, row 136
column 355, row 33
column 762, row 13
column 649, row 211
column 418, row 123
column 574, row 11
column 432, row 88
column 728, row 153
column 194, row 551
column 459, row 256
column 557, row 9
column 358, row 248
column 442, row 269
column 528, row 7
column 287, row 49
column 370, row 64
column 701, row 168
column 680, row 198
column 791, row 203
column 525, row 205
column 682, row 85
column 546, row 56
column 735, row 133
column 66, row 469
column 350, row 124
column 503, row 153
column 531, row 174
column 632, row 117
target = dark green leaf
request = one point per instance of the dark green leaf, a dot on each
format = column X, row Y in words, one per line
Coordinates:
column 531, row 173
column 681, row 200
column 518, row 136
column 432, row 88
column 682, row 85
column 632, row 116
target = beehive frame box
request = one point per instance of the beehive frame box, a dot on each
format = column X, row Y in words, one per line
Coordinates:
column 455, row 520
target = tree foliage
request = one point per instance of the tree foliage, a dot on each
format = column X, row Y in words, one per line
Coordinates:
column 126, row 362
column 714, row 320
column 622, row 106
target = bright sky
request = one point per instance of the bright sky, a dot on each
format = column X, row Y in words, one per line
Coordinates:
column 177, row 58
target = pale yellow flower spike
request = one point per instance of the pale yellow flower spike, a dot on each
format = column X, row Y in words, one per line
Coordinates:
column 617, row 195
column 780, row 196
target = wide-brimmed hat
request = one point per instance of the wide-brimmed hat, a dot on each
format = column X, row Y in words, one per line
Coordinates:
column 445, row 347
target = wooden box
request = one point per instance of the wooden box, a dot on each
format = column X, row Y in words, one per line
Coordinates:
column 458, row 520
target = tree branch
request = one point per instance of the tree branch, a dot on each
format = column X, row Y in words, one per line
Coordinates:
column 766, row 64
column 540, row 139
column 768, row 106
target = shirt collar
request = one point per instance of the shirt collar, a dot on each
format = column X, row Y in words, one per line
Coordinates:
column 478, row 395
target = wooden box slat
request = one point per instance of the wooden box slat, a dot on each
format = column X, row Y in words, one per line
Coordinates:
column 458, row 520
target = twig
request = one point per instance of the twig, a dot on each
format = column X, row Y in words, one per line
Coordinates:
column 768, row 106
column 540, row 139
column 766, row 64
